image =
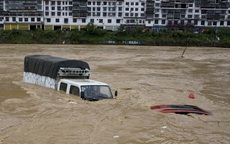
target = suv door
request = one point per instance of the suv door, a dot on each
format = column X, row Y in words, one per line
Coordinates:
column 74, row 90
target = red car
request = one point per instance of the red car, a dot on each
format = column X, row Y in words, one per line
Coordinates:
column 180, row 109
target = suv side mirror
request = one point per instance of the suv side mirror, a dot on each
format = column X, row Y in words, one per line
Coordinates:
column 116, row 93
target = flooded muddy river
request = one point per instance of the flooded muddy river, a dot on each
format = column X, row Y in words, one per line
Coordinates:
column 143, row 75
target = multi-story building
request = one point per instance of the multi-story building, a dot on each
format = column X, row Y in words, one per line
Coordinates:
column 110, row 14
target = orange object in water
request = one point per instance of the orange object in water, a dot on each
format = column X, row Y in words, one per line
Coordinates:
column 191, row 96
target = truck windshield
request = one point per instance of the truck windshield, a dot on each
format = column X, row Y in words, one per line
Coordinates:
column 96, row 92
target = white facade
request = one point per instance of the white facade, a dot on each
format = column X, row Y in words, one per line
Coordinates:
column 110, row 14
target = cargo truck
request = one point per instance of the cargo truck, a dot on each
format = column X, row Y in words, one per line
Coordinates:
column 68, row 75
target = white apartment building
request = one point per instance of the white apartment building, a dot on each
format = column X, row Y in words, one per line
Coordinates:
column 111, row 14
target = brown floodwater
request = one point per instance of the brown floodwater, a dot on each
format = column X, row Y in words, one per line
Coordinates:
column 143, row 75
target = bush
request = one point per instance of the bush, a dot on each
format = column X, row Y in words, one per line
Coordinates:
column 92, row 35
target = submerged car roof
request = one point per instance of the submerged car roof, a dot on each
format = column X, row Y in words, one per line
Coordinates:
column 82, row 82
column 180, row 109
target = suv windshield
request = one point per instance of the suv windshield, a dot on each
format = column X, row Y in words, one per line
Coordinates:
column 96, row 92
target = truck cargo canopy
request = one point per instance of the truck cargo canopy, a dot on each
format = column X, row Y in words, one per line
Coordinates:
column 46, row 65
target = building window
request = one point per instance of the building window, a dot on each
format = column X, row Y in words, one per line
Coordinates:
column 202, row 22
column 196, row 16
column 190, row 10
column 182, row 16
column 118, row 21
column 48, row 20
column 119, row 14
column 32, row 19
column 13, row 19
column 92, row 20
column 214, row 23
column 83, row 20
column 26, row 19
column 104, row 14
column 66, row 20
column 156, row 21
column 38, row 19
column 20, row 19
column 195, row 22
column 221, row 22
column 52, row 2
column 109, row 21
column 156, row 15
column 163, row 21
column 157, row 4
column 47, row 2
column 74, row 20
column 190, row 16
column 53, row 8
column 47, row 13
column 47, row 8
column 52, row 13
column 228, row 23
column 58, row 13
column 100, row 20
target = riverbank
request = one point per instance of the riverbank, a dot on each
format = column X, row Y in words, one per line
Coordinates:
column 208, row 38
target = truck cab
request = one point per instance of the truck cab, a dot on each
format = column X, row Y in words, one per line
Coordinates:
column 87, row 89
